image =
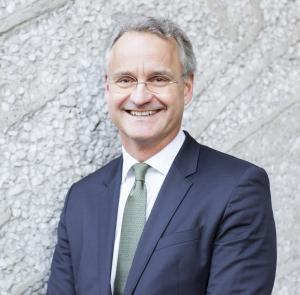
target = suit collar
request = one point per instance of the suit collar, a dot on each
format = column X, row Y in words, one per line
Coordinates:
column 112, row 171
column 188, row 156
column 107, row 220
column 162, row 161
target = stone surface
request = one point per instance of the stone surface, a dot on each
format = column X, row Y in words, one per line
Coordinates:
column 54, row 127
column 16, row 17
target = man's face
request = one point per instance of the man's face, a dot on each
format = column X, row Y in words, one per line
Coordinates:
column 143, row 117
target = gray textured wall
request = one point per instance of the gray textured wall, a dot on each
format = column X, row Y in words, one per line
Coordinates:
column 55, row 128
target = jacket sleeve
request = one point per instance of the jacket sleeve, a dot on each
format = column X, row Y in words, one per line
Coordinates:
column 61, row 281
column 244, row 254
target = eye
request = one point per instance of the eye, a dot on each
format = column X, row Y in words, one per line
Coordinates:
column 159, row 80
column 125, row 81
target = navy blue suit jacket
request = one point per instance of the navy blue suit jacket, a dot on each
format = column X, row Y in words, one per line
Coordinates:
column 211, row 231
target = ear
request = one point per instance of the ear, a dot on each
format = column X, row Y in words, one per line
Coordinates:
column 188, row 88
column 106, row 85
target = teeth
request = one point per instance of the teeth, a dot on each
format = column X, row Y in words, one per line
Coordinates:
column 143, row 113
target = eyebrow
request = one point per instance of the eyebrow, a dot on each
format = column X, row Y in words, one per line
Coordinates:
column 154, row 73
column 162, row 73
column 119, row 74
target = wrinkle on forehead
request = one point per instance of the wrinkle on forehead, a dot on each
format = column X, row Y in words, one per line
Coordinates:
column 142, row 53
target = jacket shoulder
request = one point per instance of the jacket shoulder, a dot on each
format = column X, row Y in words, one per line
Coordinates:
column 101, row 175
column 218, row 158
column 226, row 167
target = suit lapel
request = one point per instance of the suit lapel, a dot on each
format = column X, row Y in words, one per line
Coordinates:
column 107, row 224
column 173, row 191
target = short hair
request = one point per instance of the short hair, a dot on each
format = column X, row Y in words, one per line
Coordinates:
column 163, row 28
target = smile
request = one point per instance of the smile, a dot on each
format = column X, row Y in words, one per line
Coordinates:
column 142, row 113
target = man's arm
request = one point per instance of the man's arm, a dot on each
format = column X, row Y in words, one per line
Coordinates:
column 61, row 281
column 244, row 254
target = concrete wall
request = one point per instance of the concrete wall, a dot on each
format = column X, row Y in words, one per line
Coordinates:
column 55, row 128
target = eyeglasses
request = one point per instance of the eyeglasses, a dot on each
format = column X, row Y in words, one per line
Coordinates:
column 156, row 84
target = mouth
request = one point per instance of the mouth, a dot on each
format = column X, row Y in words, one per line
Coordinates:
column 146, row 113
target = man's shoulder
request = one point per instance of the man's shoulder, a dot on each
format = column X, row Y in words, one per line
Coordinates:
column 221, row 163
column 214, row 158
column 220, row 158
column 222, row 173
column 230, row 170
column 103, row 174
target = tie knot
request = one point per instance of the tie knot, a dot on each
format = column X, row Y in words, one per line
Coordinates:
column 139, row 170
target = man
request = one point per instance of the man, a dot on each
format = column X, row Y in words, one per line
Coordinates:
column 170, row 216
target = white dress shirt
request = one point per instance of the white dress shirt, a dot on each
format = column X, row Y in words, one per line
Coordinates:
column 160, row 165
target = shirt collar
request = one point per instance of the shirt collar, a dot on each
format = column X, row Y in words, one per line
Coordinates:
column 128, row 162
column 161, row 161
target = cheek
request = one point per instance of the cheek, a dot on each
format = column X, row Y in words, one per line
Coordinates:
column 176, row 102
column 112, row 109
column 114, row 102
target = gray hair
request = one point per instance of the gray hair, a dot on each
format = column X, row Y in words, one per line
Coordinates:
column 163, row 28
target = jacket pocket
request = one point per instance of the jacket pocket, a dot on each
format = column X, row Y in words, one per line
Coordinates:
column 178, row 238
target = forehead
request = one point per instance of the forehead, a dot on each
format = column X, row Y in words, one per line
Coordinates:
column 139, row 51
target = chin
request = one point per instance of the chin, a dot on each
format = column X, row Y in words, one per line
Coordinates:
column 142, row 138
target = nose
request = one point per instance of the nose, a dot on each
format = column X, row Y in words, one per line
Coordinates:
column 141, row 95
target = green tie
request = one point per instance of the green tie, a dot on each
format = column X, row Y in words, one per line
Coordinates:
column 132, row 226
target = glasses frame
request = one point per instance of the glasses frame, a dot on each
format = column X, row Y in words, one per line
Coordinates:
column 131, row 88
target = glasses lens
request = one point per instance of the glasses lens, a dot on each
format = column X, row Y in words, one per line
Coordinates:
column 122, row 85
column 158, row 83
column 125, row 84
column 160, row 86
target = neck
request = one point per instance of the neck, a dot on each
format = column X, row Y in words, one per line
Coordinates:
column 142, row 151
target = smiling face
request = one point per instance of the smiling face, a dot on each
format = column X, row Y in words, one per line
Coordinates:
column 146, row 120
